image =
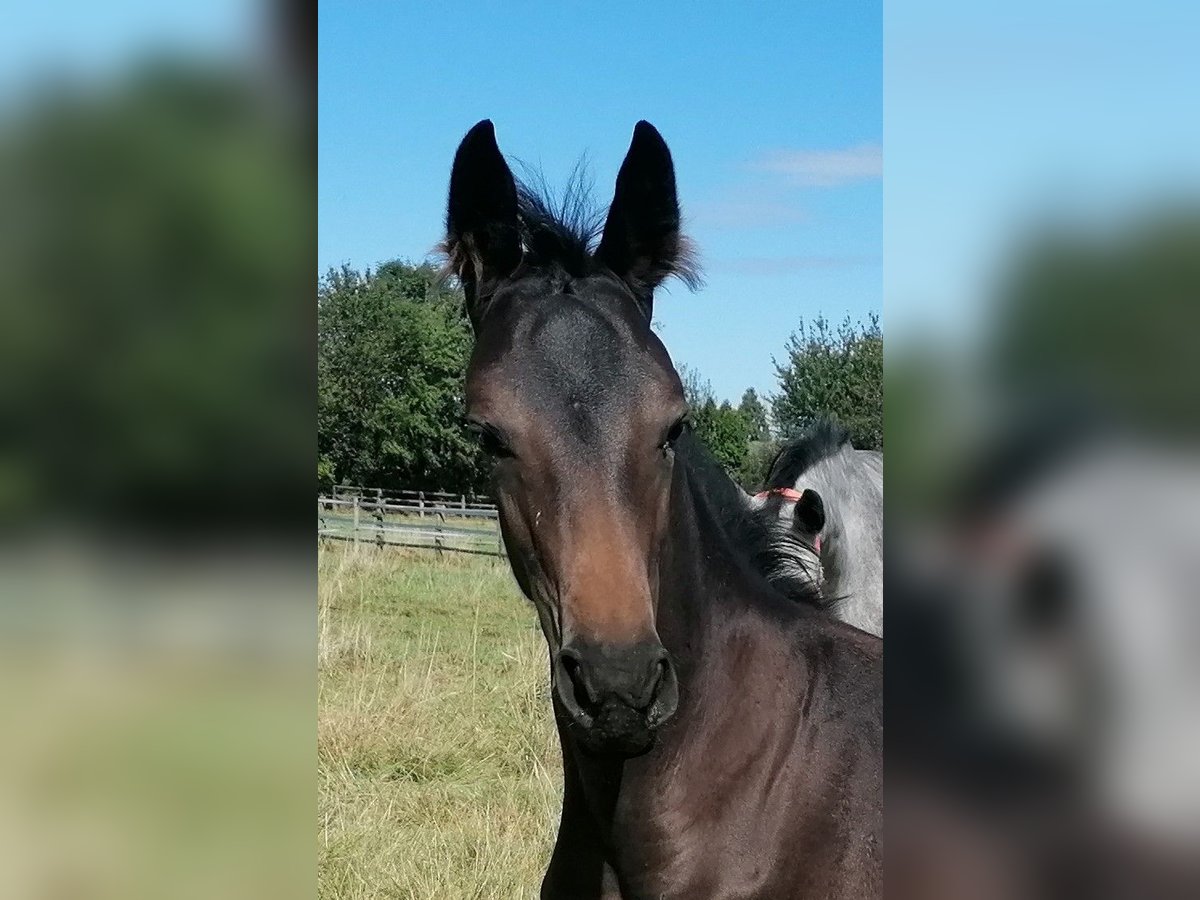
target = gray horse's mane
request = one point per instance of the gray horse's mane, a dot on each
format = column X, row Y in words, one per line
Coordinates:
column 821, row 440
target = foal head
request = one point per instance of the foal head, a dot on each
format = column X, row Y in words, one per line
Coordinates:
column 577, row 402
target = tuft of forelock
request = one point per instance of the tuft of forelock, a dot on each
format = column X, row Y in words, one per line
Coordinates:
column 561, row 229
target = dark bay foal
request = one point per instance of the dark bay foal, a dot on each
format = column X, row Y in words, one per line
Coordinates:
column 718, row 740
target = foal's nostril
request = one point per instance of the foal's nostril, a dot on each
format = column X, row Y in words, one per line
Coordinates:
column 664, row 692
column 572, row 667
column 658, row 673
column 660, row 669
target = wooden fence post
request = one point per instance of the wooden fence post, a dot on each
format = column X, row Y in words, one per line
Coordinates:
column 421, row 504
column 356, row 520
column 437, row 533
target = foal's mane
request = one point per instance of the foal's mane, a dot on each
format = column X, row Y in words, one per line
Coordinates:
column 748, row 534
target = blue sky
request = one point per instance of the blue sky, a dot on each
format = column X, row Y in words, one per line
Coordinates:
column 774, row 120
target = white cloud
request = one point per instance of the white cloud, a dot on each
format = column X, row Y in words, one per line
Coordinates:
column 824, row 168
column 737, row 212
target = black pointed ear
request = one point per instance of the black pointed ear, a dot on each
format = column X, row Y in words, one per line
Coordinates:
column 483, row 241
column 642, row 243
column 808, row 517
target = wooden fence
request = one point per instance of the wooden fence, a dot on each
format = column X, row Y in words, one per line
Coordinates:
column 444, row 523
column 350, row 491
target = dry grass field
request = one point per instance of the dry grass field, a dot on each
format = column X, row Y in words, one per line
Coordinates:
column 439, row 771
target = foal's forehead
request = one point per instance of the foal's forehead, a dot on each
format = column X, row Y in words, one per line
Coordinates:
column 589, row 347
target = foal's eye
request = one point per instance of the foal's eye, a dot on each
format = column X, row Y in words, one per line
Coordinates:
column 490, row 440
column 674, row 433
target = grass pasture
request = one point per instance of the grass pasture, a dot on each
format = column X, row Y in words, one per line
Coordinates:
column 438, row 765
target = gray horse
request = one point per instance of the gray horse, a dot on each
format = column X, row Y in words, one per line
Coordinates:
column 822, row 512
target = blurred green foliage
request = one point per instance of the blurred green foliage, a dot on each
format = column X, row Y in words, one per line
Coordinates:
column 1105, row 317
column 154, row 330
column 1091, row 324
column 156, row 408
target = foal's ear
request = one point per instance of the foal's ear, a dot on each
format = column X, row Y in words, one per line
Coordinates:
column 808, row 517
column 483, row 241
column 642, row 243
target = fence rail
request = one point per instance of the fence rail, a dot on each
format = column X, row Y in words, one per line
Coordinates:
column 350, row 491
column 444, row 523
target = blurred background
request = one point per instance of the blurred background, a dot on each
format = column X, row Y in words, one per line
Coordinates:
column 157, row 332
column 1042, row 296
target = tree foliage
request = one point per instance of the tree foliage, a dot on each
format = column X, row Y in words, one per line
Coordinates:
column 392, row 351
column 724, row 432
column 752, row 473
column 720, row 427
column 836, row 374
column 697, row 389
column 755, row 415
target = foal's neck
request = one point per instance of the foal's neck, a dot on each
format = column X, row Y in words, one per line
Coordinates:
column 704, row 578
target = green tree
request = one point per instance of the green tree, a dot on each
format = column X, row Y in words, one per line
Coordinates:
column 728, row 437
column 697, row 390
column 392, row 351
column 704, row 418
column 719, row 426
column 755, row 414
column 836, row 374
column 752, row 474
